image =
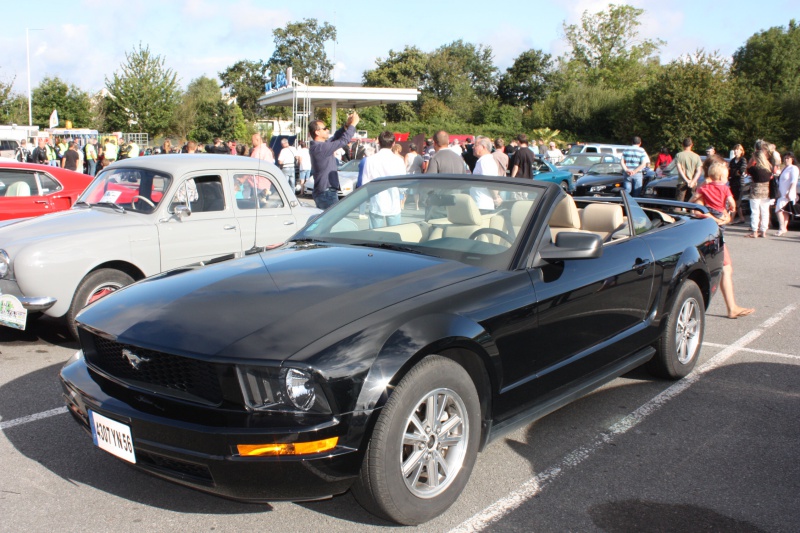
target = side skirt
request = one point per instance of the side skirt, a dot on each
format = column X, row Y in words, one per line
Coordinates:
column 576, row 390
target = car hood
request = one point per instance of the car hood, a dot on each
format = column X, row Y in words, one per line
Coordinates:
column 267, row 306
column 57, row 225
column 598, row 179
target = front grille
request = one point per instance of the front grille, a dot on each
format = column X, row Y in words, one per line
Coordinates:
column 664, row 192
column 175, row 468
column 173, row 375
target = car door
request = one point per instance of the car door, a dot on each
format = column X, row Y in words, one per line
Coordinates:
column 588, row 313
column 262, row 209
column 20, row 195
column 209, row 231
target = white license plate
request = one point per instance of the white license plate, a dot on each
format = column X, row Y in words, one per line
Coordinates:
column 111, row 436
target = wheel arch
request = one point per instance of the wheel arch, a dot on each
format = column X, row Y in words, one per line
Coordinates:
column 451, row 336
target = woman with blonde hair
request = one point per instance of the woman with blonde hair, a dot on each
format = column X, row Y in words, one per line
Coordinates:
column 166, row 148
column 760, row 169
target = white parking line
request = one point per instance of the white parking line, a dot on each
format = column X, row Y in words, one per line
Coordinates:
column 751, row 350
column 31, row 418
column 536, row 484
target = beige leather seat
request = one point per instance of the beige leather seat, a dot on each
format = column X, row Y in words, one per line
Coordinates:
column 602, row 219
column 565, row 218
column 464, row 219
column 19, row 188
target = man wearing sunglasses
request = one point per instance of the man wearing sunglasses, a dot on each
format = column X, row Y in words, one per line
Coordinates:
column 323, row 164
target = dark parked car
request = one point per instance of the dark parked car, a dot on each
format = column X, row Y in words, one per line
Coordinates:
column 424, row 338
column 604, row 179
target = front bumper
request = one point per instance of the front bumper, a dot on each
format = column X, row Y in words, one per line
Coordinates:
column 31, row 303
column 199, row 450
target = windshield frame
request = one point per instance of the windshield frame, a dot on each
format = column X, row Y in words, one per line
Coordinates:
column 434, row 230
column 114, row 186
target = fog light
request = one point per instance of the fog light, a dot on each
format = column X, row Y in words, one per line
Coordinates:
column 294, row 448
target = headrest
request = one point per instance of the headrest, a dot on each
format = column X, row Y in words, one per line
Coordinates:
column 566, row 215
column 602, row 217
column 464, row 211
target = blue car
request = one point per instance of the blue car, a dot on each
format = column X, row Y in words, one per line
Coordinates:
column 544, row 171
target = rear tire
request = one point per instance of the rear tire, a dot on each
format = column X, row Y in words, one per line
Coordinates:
column 430, row 425
column 678, row 348
column 93, row 287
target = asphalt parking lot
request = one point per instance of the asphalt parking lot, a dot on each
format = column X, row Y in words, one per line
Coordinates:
column 717, row 451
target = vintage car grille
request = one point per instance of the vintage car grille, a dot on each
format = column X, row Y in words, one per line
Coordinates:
column 173, row 375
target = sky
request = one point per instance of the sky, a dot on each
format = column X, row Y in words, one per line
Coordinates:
column 84, row 42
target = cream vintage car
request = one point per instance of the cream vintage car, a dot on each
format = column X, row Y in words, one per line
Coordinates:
column 140, row 217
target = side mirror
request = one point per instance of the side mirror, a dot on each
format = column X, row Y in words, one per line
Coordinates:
column 182, row 211
column 573, row 245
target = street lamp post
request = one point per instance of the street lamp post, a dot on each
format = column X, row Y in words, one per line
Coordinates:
column 28, row 56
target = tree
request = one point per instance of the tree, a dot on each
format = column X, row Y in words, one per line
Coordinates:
column 528, row 80
column 245, row 80
column 770, row 60
column 607, row 44
column 692, row 96
column 405, row 69
column 301, row 45
column 143, row 94
column 202, row 90
column 214, row 119
column 70, row 102
column 460, row 67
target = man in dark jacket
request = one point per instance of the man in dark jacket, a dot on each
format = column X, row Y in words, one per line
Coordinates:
column 323, row 164
column 39, row 154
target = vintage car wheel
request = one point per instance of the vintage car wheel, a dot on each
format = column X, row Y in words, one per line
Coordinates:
column 93, row 287
column 679, row 347
column 423, row 446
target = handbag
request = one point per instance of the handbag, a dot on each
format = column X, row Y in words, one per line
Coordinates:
column 774, row 191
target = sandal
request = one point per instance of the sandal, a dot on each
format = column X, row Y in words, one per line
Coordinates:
column 752, row 235
column 779, row 233
column 742, row 311
column 764, row 234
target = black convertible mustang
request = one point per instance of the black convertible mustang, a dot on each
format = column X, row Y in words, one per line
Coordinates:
column 384, row 346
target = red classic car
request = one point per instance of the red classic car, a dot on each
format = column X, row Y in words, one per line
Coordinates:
column 28, row 190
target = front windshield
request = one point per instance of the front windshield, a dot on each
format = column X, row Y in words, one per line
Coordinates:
column 132, row 189
column 581, row 159
column 605, row 169
column 479, row 222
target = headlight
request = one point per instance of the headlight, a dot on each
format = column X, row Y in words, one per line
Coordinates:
column 281, row 390
column 5, row 264
column 597, row 188
column 648, row 190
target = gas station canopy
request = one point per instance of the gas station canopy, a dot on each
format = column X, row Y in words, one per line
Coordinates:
column 338, row 96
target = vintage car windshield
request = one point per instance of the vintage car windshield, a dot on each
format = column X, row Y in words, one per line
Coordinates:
column 133, row 189
column 477, row 222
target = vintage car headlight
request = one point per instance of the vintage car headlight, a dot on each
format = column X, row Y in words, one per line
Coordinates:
column 281, row 390
column 5, row 264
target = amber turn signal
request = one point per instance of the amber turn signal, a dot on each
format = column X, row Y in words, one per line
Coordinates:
column 293, row 448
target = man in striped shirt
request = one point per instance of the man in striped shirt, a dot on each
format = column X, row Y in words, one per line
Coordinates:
column 633, row 161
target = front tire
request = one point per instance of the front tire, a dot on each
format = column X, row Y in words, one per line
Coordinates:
column 678, row 348
column 424, row 444
column 93, row 287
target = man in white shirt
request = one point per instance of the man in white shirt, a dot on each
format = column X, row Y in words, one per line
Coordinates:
column 554, row 155
column 485, row 166
column 304, row 163
column 384, row 206
column 286, row 160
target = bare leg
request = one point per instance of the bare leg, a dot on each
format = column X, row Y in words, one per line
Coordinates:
column 726, row 287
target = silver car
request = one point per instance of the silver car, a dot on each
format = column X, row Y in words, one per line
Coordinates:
column 140, row 217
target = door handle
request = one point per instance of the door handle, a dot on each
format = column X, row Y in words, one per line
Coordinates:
column 288, row 222
column 640, row 265
column 228, row 227
column 41, row 201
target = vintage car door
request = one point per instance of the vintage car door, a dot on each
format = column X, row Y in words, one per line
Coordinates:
column 588, row 310
column 209, row 231
column 262, row 208
column 20, row 194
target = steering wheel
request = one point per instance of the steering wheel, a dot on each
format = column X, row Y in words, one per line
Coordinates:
column 146, row 200
column 493, row 231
